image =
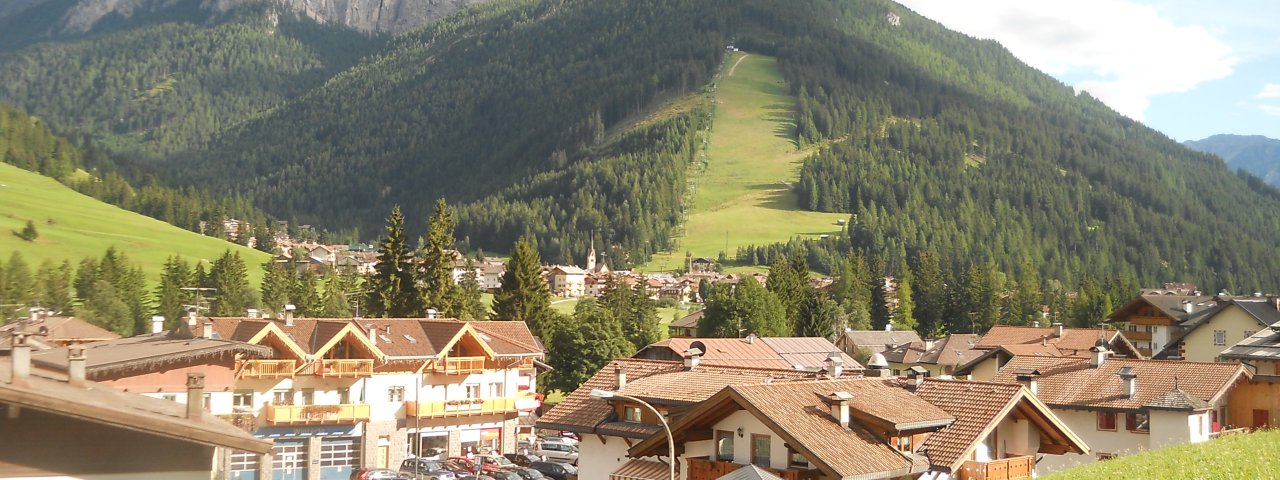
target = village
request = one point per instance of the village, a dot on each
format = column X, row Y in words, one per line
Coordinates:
column 286, row 397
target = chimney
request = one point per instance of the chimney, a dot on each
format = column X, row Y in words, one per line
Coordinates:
column 251, row 313
column 1057, row 329
column 888, row 327
column 1130, row 381
column 839, row 403
column 431, row 313
column 157, row 323
column 21, row 357
column 751, row 338
column 1027, row 377
column 620, row 373
column 917, row 374
column 191, row 317
column 206, row 330
column 371, row 331
column 288, row 314
column 1044, row 340
column 1035, row 323
column 75, row 365
column 33, row 314
column 691, row 358
column 1100, row 352
column 928, row 344
column 1189, row 306
column 835, row 365
column 195, row 394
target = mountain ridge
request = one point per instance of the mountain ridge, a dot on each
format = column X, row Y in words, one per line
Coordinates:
column 1256, row 154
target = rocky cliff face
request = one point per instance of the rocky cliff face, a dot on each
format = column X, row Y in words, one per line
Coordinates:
column 383, row 16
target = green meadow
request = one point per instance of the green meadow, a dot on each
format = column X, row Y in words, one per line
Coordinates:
column 72, row 226
column 744, row 196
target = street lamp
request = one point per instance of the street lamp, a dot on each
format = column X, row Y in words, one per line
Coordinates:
column 671, row 444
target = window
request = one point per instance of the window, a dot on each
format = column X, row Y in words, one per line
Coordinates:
column 724, row 445
column 796, row 459
column 903, row 443
column 760, row 450
column 1219, row 337
column 631, row 414
column 242, row 461
column 308, row 396
column 395, row 394
column 1136, row 422
column 473, row 390
column 170, row 397
column 497, row 389
column 1107, row 421
column 242, row 400
column 344, row 395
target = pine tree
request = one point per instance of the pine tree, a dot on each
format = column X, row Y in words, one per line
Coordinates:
column 230, row 280
column 276, row 283
column 637, row 313
column 106, row 310
column 817, row 316
column 880, row 312
column 336, row 289
column 392, row 291
column 305, row 294
column 86, row 276
column 523, row 296
column 746, row 308
column 170, row 298
column 55, row 287
column 788, row 279
column 18, row 281
column 470, row 296
column 929, row 294
column 434, row 273
column 904, row 316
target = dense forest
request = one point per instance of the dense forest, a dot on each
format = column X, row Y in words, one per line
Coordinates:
column 161, row 88
column 525, row 115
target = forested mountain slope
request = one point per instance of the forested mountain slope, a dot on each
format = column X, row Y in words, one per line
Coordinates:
column 150, row 88
column 1255, row 154
column 521, row 112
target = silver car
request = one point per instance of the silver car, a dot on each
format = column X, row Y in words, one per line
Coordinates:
column 558, row 452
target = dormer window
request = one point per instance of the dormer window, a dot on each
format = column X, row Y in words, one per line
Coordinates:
column 631, row 414
column 902, row 444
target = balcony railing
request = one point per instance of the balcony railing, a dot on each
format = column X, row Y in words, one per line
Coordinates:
column 703, row 468
column 315, row 414
column 346, row 368
column 460, row 365
column 460, row 408
column 271, row 369
column 1009, row 468
column 1138, row 336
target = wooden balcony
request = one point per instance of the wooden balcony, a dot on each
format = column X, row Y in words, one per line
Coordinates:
column 1141, row 320
column 1138, row 336
column 1009, row 468
column 315, row 414
column 460, row 365
column 460, row 408
column 703, row 468
column 269, row 369
column 346, row 368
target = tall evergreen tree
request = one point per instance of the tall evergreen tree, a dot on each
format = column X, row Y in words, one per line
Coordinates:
column 880, row 311
column 904, row 316
column 392, row 291
column 305, row 294
column 105, row 309
column 817, row 316
column 435, row 272
column 230, row 279
column 170, row 296
column 637, row 313
column 789, row 280
column 336, row 289
column 746, row 308
column 276, row 282
column 18, row 280
column 929, row 294
column 470, row 296
column 54, row 286
column 523, row 296
column 86, row 276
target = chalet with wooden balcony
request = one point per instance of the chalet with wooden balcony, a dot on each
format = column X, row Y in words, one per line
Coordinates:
column 1256, row 404
column 1194, row 328
column 1121, row 406
column 864, row 428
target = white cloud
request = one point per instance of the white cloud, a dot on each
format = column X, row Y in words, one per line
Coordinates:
column 1273, row 110
column 1270, row 90
column 1124, row 53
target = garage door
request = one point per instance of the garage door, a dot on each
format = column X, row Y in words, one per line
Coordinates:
column 338, row 457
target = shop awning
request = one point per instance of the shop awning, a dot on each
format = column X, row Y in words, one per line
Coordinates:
column 642, row 470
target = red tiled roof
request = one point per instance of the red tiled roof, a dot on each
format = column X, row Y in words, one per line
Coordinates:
column 58, row 331
column 1081, row 339
column 955, row 349
column 976, row 406
column 643, row 470
column 580, row 413
column 766, row 352
column 1071, row 382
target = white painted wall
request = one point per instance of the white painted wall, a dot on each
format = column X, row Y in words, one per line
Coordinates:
column 1085, row 425
column 598, row 460
column 742, row 445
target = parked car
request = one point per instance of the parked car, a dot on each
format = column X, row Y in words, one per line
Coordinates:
column 458, row 465
column 555, row 470
column 522, row 459
column 422, row 469
column 476, row 477
column 378, row 474
column 493, row 462
column 559, row 452
column 504, row 475
column 558, row 439
column 527, row 473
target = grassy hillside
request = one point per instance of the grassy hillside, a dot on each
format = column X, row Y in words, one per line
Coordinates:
column 744, row 197
column 1241, row 457
column 73, row 226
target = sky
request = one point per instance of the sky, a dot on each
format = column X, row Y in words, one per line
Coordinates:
column 1188, row 68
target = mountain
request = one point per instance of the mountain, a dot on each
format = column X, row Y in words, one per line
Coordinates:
column 154, row 87
column 29, row 21
column 579, row 120
column 1255, row 154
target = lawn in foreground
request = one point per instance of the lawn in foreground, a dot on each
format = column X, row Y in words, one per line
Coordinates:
column 1243, row 456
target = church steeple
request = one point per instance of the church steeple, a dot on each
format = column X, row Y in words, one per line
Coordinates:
column 591, row 256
